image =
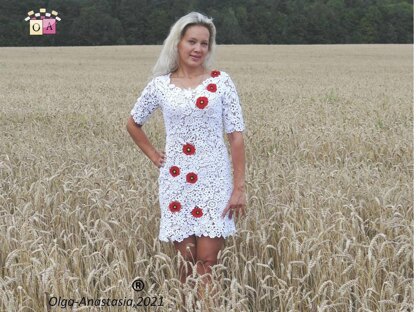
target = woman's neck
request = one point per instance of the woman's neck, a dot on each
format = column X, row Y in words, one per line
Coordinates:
column 189, row 73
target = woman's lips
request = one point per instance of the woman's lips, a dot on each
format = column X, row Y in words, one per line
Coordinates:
column 195, row 57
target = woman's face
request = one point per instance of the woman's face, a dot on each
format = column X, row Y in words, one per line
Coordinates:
column 193, row 46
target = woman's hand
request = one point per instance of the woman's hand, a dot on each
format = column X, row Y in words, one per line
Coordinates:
column 159, row 158
column 236, row 205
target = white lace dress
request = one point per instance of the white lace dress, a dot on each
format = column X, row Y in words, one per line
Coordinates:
column 195, row 183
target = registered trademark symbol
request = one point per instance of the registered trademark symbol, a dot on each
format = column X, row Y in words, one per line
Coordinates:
column 138, row 284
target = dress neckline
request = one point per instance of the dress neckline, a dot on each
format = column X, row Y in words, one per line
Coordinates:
column 172, row 85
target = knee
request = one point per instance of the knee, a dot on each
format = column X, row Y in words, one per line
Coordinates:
column 207, row 262
column 204, row 265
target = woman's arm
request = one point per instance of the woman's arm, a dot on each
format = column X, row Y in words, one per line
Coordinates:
column 141, row 140
column 237, row 200
column 238, row 158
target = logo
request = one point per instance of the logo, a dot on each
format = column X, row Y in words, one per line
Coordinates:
column 42, row 23
column 138, row 285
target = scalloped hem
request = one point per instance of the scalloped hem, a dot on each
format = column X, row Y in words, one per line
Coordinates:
column 179, row 239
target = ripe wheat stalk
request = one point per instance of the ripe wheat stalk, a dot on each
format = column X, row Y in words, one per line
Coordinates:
column 329, row 181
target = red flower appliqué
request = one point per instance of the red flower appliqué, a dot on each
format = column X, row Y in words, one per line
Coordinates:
column 174, row 171
column 188, row 149
column 212, row 87
column 197, row 212
column 191, row 177
column 201, row 102
column 215, row 73
column 175, row 206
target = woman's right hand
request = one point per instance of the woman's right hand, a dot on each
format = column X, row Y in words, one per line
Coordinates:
column 159, row 158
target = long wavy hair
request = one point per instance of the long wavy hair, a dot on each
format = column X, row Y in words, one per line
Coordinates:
column 168, row 60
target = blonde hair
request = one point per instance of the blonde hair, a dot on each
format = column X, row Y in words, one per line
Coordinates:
column 168, row 58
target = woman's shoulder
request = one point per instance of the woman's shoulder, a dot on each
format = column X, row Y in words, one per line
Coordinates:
column 160, row 78
column 157, row 81
column 221, row 75
column 216, row 72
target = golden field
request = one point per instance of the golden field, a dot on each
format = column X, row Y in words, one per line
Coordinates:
column 329, row 171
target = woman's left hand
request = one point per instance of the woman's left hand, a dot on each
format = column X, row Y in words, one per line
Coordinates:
column 236, row 205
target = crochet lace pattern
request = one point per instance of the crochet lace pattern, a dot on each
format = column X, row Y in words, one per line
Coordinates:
column 195, row 182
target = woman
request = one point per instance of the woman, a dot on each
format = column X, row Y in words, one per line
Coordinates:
column 198, row 195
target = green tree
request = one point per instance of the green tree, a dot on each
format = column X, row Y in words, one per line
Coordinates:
column 229, row 22
column 397, row 22
column 369, row 25
column 158, row 25
column 336, row 32
column 133, row 17
column 97, row 22
column 317, row 15
column 297, row 22
column 94, row 26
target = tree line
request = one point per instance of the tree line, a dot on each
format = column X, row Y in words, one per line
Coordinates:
column 132, row 22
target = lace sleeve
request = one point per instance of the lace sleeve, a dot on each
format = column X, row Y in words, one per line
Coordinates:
column 231, row 109
column 146, row 104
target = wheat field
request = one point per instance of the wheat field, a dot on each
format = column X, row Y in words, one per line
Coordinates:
column 329, row 181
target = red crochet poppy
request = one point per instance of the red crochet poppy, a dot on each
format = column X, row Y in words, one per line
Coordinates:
column 191, row 177
column 175, row 206
column 188, row 149
column 174, row 171
column 201, row 102
column 215, row 73
column 197, row 212
column 212, row 87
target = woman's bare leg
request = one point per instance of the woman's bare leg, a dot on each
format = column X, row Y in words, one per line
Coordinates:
column 187, row 248
column 207, row 250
